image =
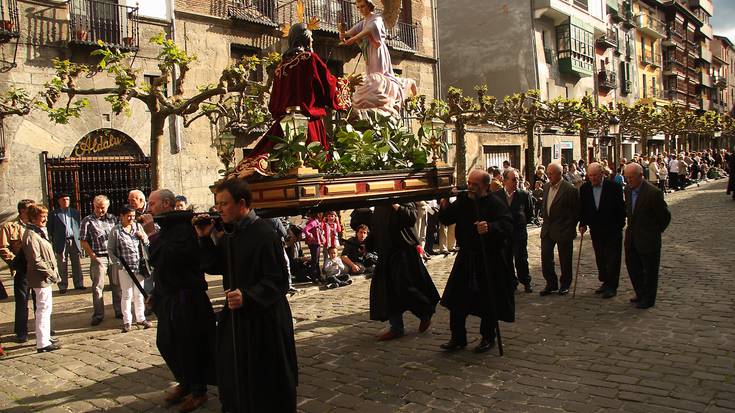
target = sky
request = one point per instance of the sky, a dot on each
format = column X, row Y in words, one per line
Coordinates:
column 723, row 21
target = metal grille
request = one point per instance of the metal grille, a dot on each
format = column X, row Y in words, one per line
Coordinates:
column 83, row 178
column 9, row 23
column 91, row 21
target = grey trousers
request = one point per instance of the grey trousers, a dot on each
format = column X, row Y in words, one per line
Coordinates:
column 70, row 253
column 99, row 269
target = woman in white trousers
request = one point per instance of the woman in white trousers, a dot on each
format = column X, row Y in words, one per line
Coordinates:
column 42, row 274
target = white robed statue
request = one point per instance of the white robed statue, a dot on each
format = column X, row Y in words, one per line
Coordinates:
column 381, row 90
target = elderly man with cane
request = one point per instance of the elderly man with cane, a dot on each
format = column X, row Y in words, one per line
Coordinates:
column 480, row 282
column 256, row 362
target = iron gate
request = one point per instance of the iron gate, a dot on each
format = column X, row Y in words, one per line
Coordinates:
column 83, row 178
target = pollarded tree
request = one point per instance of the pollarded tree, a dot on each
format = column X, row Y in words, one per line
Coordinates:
column 674, row 120
column 708, row 124
column 641, row 119
column 581, row 115
column 524, row 112
column 174, row 65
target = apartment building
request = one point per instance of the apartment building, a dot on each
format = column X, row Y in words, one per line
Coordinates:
column 40, row 157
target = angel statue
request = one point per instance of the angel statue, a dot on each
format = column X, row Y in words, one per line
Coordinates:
column 381, row 90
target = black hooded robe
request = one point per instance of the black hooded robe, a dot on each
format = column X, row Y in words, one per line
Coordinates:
column 186, row 323
column 400, row 281
column 266, row 351
column 468, row 289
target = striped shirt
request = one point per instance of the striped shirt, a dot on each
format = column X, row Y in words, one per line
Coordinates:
column 126, row 245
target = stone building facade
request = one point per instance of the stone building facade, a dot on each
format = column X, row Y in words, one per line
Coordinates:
column 218, row 32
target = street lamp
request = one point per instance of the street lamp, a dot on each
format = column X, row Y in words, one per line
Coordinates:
column 294, row 125
column 435, row 127
column 225, row 144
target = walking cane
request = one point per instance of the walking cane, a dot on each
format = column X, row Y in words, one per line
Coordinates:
column 132, row 276
column 579, row 258
column 487, row 276
column 233, row 324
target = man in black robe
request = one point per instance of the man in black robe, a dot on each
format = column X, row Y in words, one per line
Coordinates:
column 256, row 353
column 179, row 299
column 400, row 282
column 480, row 283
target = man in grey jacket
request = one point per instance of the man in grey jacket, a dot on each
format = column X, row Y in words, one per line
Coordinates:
column 560, row 212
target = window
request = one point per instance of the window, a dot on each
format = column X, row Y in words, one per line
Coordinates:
column 653, row 87
column 149, row 79
column 645, row 89
column 238, row 51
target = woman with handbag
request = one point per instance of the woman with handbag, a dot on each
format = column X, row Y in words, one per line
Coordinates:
column 128, row 242
column 42, row 274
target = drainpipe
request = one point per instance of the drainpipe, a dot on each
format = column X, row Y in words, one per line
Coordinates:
column 435, row 35
column 175, row 121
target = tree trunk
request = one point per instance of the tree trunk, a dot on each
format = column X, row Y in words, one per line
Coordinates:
column 667, row 142
column 644, row 145
column 530, row 153
column 157, row 124
column 582, row 146
column 461, row 156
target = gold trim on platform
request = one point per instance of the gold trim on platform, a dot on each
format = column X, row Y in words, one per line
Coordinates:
column 416, row 183
column 380, row 186
column 340, row 189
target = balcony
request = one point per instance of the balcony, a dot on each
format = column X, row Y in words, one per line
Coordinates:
column 706, row 31
column 650, row 26
column 674, row 67
column 705, row 55
column 719, row 81
column 261, row 12
column 650, row 58
column 330, row 14
column 607, row 80
column 705, row 5
column 609, row 39
column 561, row 10
column 705, row 80
column 10, row 27
column 626, row 87
column 92, row 21
column 403, row 37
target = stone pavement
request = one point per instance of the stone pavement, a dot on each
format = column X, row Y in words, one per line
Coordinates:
column 580, row 354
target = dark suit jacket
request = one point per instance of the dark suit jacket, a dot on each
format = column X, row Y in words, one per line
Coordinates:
column 609, row 219
column 521, row 208
column 57, row 229
column 649, row 219
column 560, row 224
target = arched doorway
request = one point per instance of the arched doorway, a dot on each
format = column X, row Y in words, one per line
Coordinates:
column 104, row 162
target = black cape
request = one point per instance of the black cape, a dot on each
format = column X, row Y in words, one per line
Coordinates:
column 266, row 352
column 731, row 180
column 400, row 281
column 186, row 322
column 469, row 290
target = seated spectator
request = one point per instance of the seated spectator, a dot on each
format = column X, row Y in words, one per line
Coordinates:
column 300, row 265
column 334, row 271
column 356, row 255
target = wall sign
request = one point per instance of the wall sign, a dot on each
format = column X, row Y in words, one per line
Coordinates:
column 106, row 142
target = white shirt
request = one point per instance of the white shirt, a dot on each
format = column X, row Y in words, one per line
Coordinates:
column 553, row 189
column 674, row 166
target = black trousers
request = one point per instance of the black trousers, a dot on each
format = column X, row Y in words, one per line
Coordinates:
column 643, row 272
column 608, row 255
column 432, row 225
column 457, row 321
column 565, row 249
column 674, row 180
column 518, row 258
column 22, row 295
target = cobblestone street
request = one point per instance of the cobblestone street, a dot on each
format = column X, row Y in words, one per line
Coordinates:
column 582, row 354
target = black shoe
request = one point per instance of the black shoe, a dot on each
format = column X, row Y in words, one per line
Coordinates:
column 609, row 294
column 635, row 300
column 547, row 291
column 21, row 339
column 453, row 345
column 527, row 288
column 96, row 321
column 643, row 305
column 331, row 286
column 563, row 291
column 601, row 290
column 48, row 348
column 484, row 345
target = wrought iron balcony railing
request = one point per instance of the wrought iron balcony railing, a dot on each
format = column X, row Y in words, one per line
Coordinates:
column 331, row 13
column 92, row 21
column 651, row 58
column 10, row 26
column 626, row 87
column 609, row 39
column 253, row 11
column 607, row 80
column 403, row 36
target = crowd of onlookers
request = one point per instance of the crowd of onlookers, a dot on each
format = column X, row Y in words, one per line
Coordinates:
column 41, row 245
